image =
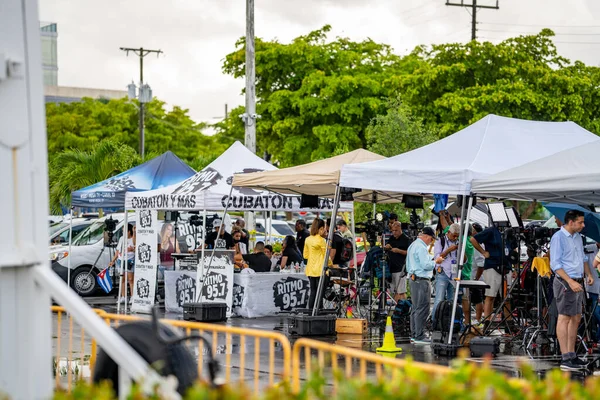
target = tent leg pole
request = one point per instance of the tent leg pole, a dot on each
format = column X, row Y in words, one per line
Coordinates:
column 320, row 288
column 355, row 258
column 212, row 254
column 465, row 214
column 70, row 240
column 121, row 268
column 124, row 258
column 200, row 277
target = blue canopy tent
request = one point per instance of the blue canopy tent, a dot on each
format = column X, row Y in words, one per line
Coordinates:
column 164, row 170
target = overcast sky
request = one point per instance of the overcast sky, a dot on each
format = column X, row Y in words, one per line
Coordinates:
column 197, row 34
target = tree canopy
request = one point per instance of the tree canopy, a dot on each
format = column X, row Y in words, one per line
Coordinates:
column 75, row 169
column 524, row 77
column 315, row 97
column 82, row 125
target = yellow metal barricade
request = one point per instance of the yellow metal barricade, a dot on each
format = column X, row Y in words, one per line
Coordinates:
column 355, row 364
column 256, row 358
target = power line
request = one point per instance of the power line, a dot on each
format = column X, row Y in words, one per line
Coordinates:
column 428, row 20
column 421, row 6
column 554, row 41
column 535, row 33
column 542, row 26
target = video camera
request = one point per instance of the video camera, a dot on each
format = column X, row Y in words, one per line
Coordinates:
column 538, row 236
column 373, row 227
column 195, row 220
column 110, row 226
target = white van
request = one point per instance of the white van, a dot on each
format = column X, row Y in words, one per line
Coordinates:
column 59, row 232
column 89, row 255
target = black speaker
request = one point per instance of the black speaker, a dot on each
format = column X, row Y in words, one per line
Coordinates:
column 346, row 193
column 171, row 215
column 412, row 201
column 308, row 201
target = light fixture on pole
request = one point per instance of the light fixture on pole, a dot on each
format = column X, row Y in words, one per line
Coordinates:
column 143, row 95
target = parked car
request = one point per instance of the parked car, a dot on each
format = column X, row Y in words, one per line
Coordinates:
column 279, row 230
column 89, row 254
column 59, row 232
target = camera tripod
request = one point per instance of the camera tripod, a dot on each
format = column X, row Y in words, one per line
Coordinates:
column 534, row 332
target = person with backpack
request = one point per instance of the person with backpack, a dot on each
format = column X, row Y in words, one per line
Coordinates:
column 339, row 247
column 445, row 248
column 396, row 248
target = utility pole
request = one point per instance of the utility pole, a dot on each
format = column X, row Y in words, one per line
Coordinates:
column 474, row 6
column 250, row 117
column 144, row 91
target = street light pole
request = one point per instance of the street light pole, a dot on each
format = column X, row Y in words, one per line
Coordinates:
column 141, row 53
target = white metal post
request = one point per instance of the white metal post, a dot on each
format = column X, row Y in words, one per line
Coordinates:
column 329, row 241
column 200, row 277
column 462, row 243
column 25, row 328
column 124, row 257
column 69, row 256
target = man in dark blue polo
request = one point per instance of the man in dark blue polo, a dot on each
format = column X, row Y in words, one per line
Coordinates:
column 569, row 262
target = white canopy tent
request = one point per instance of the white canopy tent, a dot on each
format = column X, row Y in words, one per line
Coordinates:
column 490, row 145
column 449, row 166
column 211, row 189
column 572, row 175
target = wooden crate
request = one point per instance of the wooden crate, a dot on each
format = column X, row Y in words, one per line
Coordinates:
column 354, row 341
column 351, row 325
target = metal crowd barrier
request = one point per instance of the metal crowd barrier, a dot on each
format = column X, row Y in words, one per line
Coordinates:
column 256, row 358
column 352, row 363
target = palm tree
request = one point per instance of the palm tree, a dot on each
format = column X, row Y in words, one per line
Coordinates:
column 73, row 169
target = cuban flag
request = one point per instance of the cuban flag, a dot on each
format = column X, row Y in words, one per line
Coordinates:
column 104, row 280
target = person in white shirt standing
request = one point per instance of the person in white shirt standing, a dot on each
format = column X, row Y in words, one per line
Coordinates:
column 130, row 261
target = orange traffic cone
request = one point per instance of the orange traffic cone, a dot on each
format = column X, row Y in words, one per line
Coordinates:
column 389, row 342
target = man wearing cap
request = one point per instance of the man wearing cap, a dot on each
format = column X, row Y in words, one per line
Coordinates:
column 419, row 266
column 219, row 241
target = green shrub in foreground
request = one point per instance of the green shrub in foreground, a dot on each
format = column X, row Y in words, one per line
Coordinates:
column 465, row 382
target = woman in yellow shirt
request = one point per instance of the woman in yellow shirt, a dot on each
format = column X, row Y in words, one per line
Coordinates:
column 315, row 248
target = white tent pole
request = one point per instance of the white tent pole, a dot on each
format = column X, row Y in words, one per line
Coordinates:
column 212, row 254
column 353, row 240
column 355, row 258
column 124, row 235
column 270, row 223
column 327, row 244
column 200, row 277
column 69, row 256
column 462, row 243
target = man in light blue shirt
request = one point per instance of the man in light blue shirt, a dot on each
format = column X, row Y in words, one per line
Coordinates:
column 419, row 267
column 568, row 261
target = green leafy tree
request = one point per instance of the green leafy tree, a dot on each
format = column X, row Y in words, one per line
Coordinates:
column 75, row 169
column 398, row 131
column 316, row 97
column 81, row 125
column 457, row 84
